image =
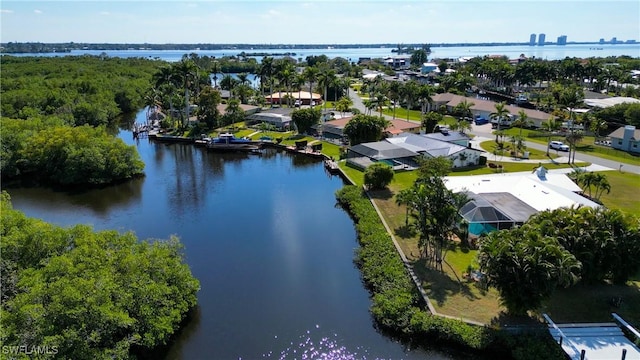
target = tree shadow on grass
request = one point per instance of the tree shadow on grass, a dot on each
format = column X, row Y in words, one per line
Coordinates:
column 384, row 194
column 405, row 232
column 439, row 286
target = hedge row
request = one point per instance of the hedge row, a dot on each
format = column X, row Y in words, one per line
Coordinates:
column 396, row 302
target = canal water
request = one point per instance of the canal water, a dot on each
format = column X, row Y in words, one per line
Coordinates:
column 263, row 234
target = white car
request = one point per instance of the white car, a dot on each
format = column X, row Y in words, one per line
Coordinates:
column 559, row 145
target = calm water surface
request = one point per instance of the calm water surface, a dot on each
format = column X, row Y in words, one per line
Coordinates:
column 548, row 52
column 273, row 253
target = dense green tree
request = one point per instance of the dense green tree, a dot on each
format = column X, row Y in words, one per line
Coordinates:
column 605, row 241
column 208, row 102
column 378, row 176
column 304, row 119
column 92, row 295
column 344, row 104
column 418, row 57
column 526, row 267
column 430, row 120
column 365, row 128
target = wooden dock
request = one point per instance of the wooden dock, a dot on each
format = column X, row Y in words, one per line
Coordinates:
column 332, row 166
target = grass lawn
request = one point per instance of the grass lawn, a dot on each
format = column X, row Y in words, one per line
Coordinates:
column 450, row 293
column 592, row 303
column 534, row 154
column 586, row 146
column 331, row 150
column 625, row 189
column 401, row 113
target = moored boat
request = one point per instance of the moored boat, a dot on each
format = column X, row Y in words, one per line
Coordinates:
column 228, row 142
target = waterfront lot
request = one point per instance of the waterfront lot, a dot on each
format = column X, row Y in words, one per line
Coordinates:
column 453, row 294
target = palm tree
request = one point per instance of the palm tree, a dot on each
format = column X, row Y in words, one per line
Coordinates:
column 500, row 114
column 286, row 74
column 550, row 126
column 165, row 80
column 409, row 92
column 266, row 72
column 380, row 100
column 326, row 78
column 394, row 95
column 571, row 97
column 601, row 184
column 464, row 108
column 215, row 69
column 244, row 78
column 522, row 121
column 298, row 82
column 187, row 70
column 464, row 126
column 424, row 98
column 311, row 75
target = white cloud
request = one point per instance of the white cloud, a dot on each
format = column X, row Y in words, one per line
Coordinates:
column 5, row 11
column 37, row 11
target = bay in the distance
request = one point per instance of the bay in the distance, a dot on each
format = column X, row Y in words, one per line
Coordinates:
column 547, row 52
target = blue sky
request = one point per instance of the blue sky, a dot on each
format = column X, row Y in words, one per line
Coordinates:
column 316, row 22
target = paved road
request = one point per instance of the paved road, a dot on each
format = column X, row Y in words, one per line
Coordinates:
column 485, row 131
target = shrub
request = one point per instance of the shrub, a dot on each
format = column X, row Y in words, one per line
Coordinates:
column 378, row 176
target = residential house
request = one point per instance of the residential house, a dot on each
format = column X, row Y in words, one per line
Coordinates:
column 403, row 151
column 484, row 108
column 626, row 138
column 500, row 201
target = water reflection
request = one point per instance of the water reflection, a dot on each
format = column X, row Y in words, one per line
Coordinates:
column 98, row 201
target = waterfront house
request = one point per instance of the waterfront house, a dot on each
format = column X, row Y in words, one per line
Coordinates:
column 402, row 152
column 626, row 138
column 500, row 201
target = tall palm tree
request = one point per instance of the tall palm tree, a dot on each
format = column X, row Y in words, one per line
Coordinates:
column 215, row 69
column 394, row 95
column 166, row 81
column 298, row 83
column 409, row 93
column 424, row 98
column 311, row 75
column 266, row 72
column 326, row 78
column 287, row 76
column 571, row 97
column 550, row 126
column 187, row 70
column 501, row 113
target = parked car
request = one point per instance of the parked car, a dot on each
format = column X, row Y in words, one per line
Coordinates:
column 297, row 103
column 559, row 145
column 481, row 120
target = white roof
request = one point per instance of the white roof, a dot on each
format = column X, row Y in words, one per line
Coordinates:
column 547, row 192
column 371, row 76
column 607, row 102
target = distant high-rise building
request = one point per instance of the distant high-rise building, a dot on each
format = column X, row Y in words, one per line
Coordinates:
column 562, row 40
column 532, row 40
column 614, row 40
column 541, row 39
column 601, row 40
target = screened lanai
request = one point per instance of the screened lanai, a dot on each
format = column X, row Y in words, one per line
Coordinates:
column 494, row 211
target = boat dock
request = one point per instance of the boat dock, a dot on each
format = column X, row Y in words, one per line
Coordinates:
column 332, row 166
column 591, row 341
